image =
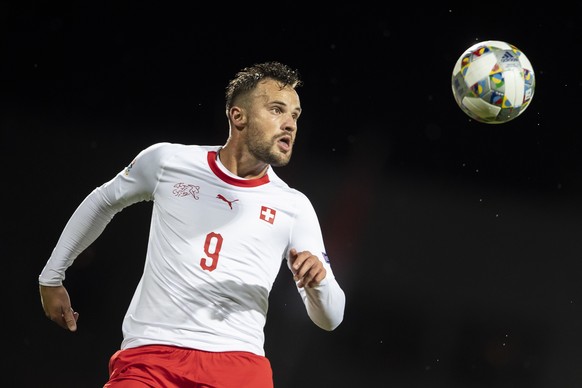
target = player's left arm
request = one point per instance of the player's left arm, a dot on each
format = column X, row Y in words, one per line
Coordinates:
column 307, row 259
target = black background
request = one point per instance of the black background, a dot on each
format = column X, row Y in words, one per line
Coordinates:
column 457, row 243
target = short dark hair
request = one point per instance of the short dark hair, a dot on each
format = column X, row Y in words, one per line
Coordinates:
column 248, row 78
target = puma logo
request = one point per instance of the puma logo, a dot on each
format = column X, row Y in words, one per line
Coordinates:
column 220, row 196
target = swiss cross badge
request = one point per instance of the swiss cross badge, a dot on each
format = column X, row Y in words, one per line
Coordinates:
column 267, row 214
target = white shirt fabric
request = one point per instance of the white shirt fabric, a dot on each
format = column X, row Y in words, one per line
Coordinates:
column 215, row 248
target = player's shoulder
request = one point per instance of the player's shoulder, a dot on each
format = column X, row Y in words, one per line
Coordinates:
column 280, row 184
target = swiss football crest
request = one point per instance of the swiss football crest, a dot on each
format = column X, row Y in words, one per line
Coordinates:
column 185, row 189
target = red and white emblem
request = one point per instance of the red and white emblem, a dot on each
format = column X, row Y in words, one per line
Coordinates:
column 268, row 214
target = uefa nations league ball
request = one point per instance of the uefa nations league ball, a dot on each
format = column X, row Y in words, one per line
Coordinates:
column 493, row 82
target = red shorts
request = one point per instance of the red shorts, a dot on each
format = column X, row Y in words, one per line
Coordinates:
column 170, row 366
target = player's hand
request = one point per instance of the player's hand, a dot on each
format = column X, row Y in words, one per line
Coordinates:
column 308, row 270
column 57, row 307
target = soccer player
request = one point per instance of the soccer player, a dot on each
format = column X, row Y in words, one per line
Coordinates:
column 222, row 222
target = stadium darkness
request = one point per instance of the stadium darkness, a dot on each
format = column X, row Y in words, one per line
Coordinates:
column 458, row 243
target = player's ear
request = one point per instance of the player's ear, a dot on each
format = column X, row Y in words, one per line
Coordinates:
column 238, row 117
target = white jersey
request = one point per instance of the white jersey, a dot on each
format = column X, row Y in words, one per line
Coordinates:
column 215, row 247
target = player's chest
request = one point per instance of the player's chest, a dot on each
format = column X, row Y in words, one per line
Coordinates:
column 217, row 205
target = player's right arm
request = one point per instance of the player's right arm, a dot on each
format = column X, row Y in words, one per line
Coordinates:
column 133, row 184
column 85, row 225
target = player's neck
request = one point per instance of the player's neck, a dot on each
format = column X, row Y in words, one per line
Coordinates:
column 241, row 163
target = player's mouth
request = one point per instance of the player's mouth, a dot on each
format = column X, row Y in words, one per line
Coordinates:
column 284, row 143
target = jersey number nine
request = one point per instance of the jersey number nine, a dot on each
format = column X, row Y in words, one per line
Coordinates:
column 212, row 246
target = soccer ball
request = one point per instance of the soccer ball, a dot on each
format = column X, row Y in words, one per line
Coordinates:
column 493, row 82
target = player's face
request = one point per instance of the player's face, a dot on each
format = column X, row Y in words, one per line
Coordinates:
column 272, row 124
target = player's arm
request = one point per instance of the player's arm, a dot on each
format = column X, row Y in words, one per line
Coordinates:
column 84, row 226
column 131, row 185
column 322, row 295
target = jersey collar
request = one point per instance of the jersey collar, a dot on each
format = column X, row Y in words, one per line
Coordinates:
column 232, row 180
